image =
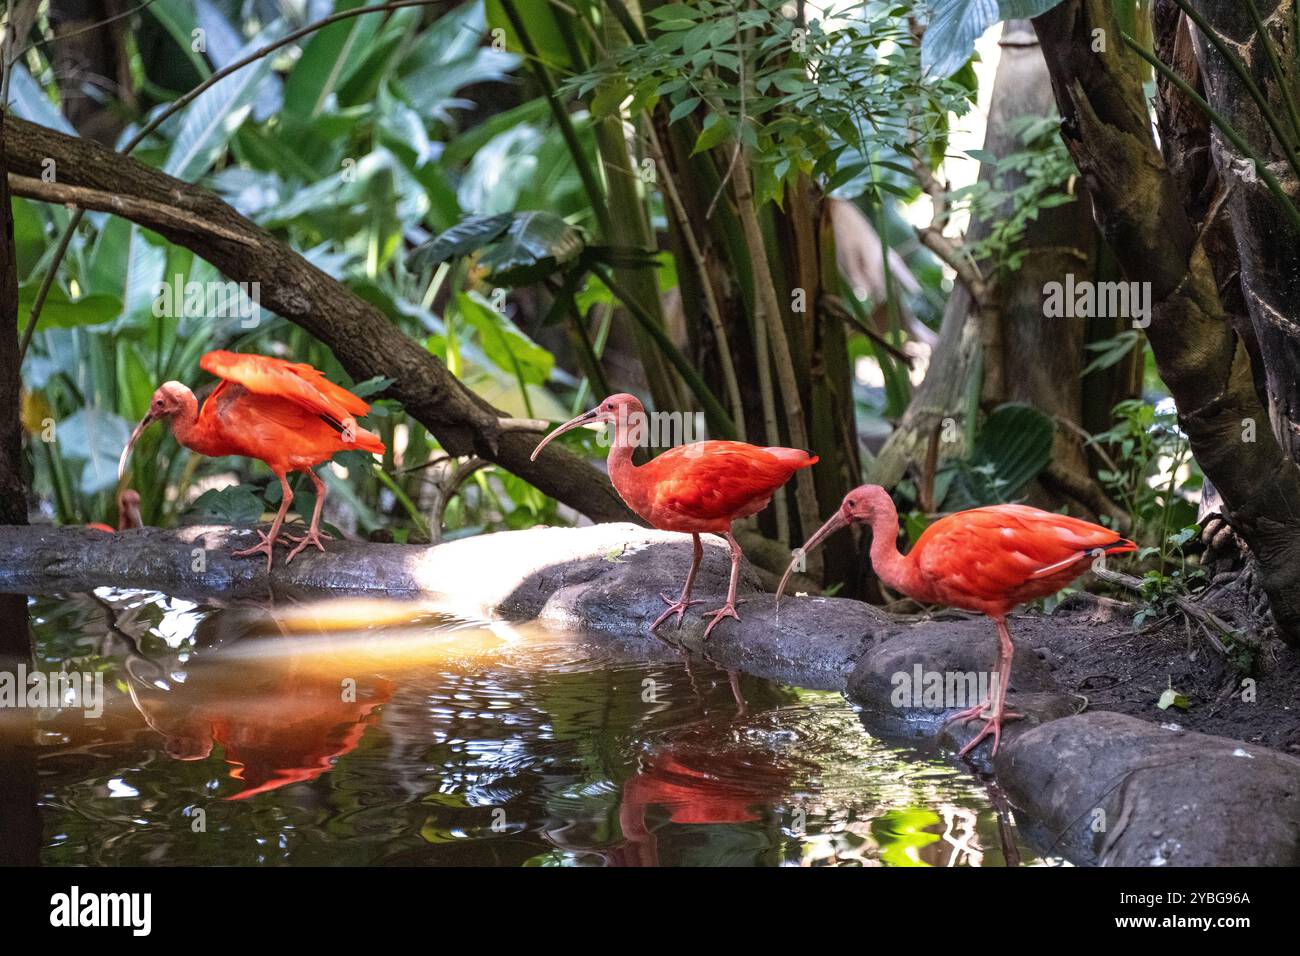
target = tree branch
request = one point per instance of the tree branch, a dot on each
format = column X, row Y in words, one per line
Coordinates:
column 364, row 339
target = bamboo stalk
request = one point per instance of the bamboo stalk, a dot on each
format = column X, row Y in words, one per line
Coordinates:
column 711, row 310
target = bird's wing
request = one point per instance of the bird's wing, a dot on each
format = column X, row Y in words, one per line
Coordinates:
column 718, row 479
column 995, row 550
column 295, row 381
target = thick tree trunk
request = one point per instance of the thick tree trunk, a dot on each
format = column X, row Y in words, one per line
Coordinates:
column 363, row 338
column 13, row 498
column 1204, row 363
column 1266, row 239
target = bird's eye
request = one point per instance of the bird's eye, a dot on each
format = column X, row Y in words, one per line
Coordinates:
column 852, row 503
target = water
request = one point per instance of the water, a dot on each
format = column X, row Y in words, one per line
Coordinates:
column 371, row 732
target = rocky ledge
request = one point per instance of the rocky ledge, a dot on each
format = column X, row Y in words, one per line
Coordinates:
column 1097, row 787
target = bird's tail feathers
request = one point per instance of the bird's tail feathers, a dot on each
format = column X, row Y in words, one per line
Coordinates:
column 795, row 458
column 366, row 441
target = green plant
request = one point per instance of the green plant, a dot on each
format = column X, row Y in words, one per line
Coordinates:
column 1024, row 183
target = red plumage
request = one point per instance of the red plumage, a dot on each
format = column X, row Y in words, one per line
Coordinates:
column 993, row 559
column 697, row 488
column 286, row 414
column 707, row 485
column 987, row 559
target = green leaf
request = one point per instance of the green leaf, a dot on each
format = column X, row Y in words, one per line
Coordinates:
column 507, row 347
column 329, row 58
column 684, row 108
column 534, row 246
column 370, row 386
column 950, row 35
column 211, row 120
column 30, row 102
column 716, row 129
column 465, row 237
column 233, row 505
column 60, row 312
column 1012, row 446
column 1110, row 351
column 96, row 437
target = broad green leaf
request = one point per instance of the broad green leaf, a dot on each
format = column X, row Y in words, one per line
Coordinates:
column 950, row 35
column 1011, row 447
column 465, row 237
column 29, row 235
column 30, row 102
column 59, row 312
column 535, row 245
column 234, row 505
column 507, row 347
column 546, row 29
column 95, row 437
column 211, row 120
column 329, row 59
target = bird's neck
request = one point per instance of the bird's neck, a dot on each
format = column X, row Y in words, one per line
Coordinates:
column 892, row 567
column 185, row 423
column 620, row 455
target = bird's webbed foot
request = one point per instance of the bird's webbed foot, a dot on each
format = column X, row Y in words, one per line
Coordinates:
column 313, row 537
column 727, row 610
column 992, row 728
column 265, row 546
column 678, row 607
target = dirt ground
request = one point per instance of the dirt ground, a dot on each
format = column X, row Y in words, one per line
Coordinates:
column 1103, row 658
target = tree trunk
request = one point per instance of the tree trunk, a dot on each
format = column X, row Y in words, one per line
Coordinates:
column 13, row 497
column 1107, row 127
column 1266, row 239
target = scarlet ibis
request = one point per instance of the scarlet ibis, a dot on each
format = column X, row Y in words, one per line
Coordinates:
column 128, row 512
column 285, row 414
column 697, row 488
column 987, row 560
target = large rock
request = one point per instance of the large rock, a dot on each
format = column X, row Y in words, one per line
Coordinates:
column 896, row 682
column 1109, row 789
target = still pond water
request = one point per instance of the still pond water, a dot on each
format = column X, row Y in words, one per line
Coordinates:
column 364, row 732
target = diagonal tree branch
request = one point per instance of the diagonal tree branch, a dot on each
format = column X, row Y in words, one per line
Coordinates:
column 362, row 337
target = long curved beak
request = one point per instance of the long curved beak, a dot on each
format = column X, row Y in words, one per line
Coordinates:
column 584, row 419
column 834, row 523
column 135, row 435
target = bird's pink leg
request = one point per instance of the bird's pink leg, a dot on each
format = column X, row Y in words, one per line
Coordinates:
column 728, row 609
column 679, row 606
column 1000, row 713
column 314, row 534
column 267, row 543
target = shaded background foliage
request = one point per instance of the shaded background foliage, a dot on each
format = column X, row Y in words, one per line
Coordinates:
column 740, row 209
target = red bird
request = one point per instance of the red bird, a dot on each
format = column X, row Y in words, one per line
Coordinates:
column 696, row 488
column 284, row 414
column 128, row 512
column 987, row 560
